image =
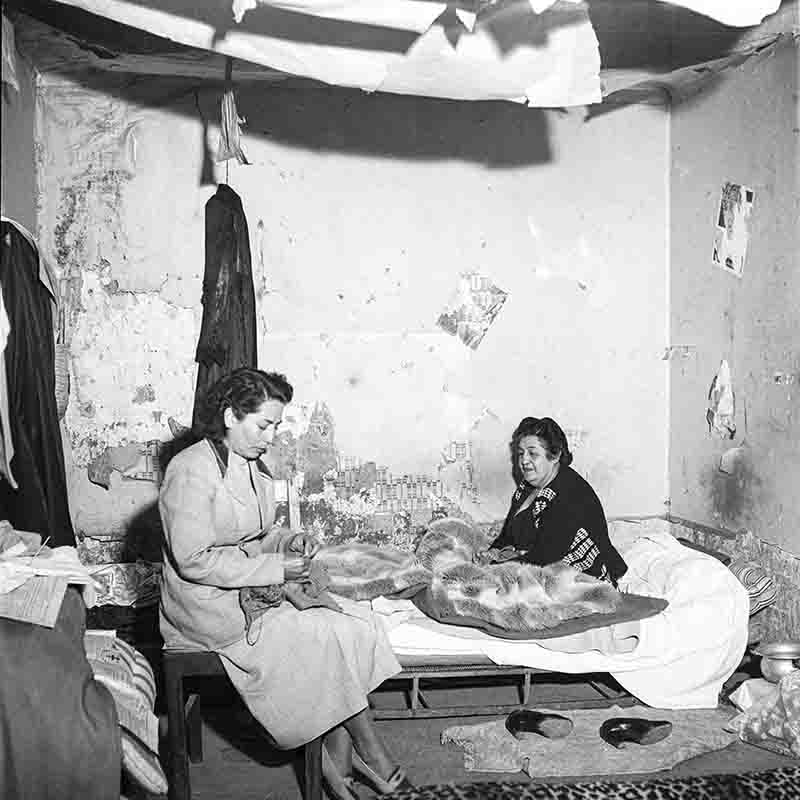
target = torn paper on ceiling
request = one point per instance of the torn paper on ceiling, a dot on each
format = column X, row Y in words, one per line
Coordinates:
column 407, row 15
column 680, row 84
column 544, row 60
column 539, row 52
column 512, row 53
column 9, row 57
column 736, row 13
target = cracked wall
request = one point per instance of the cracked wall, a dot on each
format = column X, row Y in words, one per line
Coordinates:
column 365, row 212
column 744, row 131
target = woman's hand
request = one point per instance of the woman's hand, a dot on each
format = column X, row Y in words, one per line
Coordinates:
column 295, row 568
column 304, row 543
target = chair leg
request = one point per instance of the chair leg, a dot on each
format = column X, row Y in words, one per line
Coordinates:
column 194, row 729
column 179, row 786
column 312, row 757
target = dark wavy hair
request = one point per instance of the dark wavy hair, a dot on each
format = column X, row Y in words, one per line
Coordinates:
column 243, row 391
column 551, row 436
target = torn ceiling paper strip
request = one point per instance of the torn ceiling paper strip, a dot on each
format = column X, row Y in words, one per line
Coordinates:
column 9, row 55
column 539, row 52
column 512, row 53
column 418, row 15
column 680, row 84
column 736, row 13
column 406, row 15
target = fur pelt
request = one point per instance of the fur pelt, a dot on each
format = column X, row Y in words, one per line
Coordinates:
column 364, row 571
column 513, row 596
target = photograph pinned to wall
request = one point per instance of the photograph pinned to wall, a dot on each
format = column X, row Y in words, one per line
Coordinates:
column 733, row 228
column 472, row 309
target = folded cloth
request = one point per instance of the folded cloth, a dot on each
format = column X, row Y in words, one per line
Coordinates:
column 256, row 600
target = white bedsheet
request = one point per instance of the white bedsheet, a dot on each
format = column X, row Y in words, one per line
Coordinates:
column 679, row 658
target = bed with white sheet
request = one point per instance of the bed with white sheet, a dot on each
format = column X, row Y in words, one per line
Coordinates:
column 679, row 658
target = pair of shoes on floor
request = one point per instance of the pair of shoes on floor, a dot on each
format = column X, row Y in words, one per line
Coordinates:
column 525, row 723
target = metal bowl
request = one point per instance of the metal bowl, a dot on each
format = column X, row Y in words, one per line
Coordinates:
column 777, row 659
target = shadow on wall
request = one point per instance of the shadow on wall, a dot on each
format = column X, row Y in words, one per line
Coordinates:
column 492, row 133
column 144, row 533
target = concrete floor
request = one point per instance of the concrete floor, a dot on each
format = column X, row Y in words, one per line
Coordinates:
column 239, row 764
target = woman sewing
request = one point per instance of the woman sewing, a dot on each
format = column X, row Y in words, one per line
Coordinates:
column 301, row 673
column 555, row 514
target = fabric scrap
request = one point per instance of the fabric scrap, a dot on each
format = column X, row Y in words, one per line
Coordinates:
column 489, row 747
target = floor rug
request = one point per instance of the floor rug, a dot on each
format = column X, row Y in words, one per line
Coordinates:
column 489, row 747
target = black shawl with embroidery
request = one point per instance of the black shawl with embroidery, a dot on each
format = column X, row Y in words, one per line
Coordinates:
column 565, row 522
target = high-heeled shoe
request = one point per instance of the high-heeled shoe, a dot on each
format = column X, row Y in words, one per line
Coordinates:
column 337, row 787
column 619, row 730
column 396, row 781
column 526, row 722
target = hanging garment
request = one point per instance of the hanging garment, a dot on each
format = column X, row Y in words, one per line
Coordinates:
column 40, row 502
column 228, row 330
column 6, row 442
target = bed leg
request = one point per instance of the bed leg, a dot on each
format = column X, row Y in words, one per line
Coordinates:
column 526, row 687
column 414, row 693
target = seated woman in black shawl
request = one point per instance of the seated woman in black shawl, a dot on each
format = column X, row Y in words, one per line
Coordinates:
column 555, row 514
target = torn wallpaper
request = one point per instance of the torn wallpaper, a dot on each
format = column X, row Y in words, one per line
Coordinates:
column 721, row 410
column 473, row 309
column 731, row 233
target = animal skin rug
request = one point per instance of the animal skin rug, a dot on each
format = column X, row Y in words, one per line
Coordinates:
column 364, row 571
column 511, row 596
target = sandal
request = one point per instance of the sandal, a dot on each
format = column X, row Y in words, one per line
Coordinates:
column 337, row 787
column 396, row 781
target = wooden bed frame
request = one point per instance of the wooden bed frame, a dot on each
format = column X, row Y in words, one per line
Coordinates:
column 471, row 670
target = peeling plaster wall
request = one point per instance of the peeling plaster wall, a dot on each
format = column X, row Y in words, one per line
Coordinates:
column 364, row 210
column 744, row 129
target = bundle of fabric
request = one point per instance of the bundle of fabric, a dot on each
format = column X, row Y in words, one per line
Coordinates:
column 514, row 599
column 774, row 722
column 364, row 572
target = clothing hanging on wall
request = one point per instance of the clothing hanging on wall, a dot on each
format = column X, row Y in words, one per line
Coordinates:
column 228, row 331
column 39, row 503
column 6, row 442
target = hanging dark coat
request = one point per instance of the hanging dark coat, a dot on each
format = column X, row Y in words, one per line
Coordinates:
column 40, row 502
column 228, row 331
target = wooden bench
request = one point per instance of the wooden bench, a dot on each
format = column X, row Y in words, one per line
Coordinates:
column 184, row 727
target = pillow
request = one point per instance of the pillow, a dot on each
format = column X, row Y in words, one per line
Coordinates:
column 759, row 584
column 126, row 673
column 142, row 765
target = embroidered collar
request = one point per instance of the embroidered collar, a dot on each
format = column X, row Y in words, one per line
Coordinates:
column 525, row 489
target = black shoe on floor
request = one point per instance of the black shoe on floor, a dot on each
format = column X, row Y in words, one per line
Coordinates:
column 619, row 730
column 525, row 722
